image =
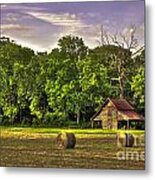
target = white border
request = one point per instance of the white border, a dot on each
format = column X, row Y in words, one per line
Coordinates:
column 26, row 1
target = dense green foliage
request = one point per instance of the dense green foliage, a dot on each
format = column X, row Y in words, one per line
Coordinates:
column 67, row 85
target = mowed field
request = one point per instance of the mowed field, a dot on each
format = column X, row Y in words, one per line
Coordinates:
column 37, row 147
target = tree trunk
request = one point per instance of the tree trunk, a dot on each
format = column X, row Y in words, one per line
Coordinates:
column 92, row 124
column 121, row 87
column 121, row 75
column 78, row 117
column 20, row 113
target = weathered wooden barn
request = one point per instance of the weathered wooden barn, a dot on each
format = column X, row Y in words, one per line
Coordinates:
column 117, row 114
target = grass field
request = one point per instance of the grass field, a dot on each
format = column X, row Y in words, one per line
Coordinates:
column 37, row 147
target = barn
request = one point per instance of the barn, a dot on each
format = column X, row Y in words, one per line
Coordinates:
column 117, row 114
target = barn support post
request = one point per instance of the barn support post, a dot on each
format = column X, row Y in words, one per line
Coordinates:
column 128, row 124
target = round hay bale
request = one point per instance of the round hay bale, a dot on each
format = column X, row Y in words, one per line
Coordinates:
column 66, row 140
column 125, row 140
column 120, row 138
column 129, row 140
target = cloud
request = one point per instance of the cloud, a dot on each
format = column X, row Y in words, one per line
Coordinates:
column 139, row 32
column 3, row 6
column 33, row 41
column 14, row 27
column 92, row 14
column 64, row 19
column 127, row 31
column 13, row 17
column 67, row 23
column 9, row 18
column 20, row 7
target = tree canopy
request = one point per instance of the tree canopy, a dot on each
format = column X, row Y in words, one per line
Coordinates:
column 67, row 85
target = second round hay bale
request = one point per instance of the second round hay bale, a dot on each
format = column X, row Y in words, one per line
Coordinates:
column 129, row 140
column 125, row 140
column 66, row 140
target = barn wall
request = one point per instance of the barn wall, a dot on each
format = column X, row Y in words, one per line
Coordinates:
column 109, row 117
column 104, row 118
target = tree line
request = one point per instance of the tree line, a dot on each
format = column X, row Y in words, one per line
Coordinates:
column 66, row 86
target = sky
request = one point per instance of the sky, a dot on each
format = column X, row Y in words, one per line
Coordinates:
column 40, row 25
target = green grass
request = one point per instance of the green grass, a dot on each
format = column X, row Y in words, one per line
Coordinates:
column 37, row 147
column 57, row 130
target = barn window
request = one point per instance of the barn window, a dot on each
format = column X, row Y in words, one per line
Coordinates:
column 110, row 112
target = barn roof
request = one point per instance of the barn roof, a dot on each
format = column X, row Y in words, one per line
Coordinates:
column 123, row 106
column 130, row 115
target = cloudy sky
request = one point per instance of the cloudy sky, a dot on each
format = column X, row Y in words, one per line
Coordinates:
column 40, row 25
